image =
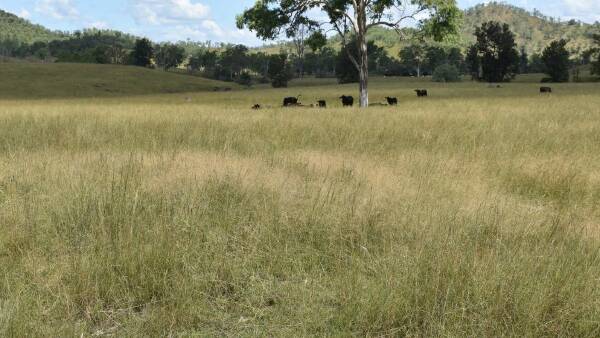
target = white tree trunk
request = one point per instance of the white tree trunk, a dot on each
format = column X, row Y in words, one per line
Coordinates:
column 363, row 75
column 363, row 55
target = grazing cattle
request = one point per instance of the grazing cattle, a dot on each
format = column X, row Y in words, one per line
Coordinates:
column 545, row 90
column 291, row 101
column 322, row 104
column 392, row 101
column 421, row 92
column 347, row 101
column 256, row 106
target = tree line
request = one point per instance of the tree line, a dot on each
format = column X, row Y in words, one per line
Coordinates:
column 493, row 58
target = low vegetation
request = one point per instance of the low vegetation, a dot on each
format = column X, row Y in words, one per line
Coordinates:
column 63, row 80
column 473, row 212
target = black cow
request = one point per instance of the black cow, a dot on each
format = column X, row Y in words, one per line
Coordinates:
column 256, row 106
column 347, row 101
column 392, row 101
column 290, row 101
column 545, row 90
column 421, row 92
column 322, row 104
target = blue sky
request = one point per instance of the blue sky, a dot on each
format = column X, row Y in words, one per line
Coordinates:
column 171, row 20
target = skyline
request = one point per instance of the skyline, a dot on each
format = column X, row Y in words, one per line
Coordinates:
column 202, row 20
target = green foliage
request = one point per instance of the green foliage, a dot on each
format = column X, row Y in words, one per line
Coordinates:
column 413, row 56
column 91, row 46
column 536, row 65
column 446, row 73
column 21, row 31
column 473, row 62
column 523, row 61
column 268, row 18
column 532, row 30
column 169, row 56
column 596, row 52
column 231, row 62
column 245, row 79
column 142, row 53
column 316, row 41
column 280, row 70
column 346, row 71
column 556, row 61
column 497, row 52
column 203, row 59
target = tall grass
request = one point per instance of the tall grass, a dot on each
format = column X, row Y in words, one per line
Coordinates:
column 461, row 215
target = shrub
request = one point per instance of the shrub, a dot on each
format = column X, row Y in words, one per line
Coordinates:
column 446, row 73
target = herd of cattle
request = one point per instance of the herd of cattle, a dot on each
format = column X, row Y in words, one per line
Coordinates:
column 348, row 101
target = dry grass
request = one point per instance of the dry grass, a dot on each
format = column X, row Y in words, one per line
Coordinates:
column 472, row 213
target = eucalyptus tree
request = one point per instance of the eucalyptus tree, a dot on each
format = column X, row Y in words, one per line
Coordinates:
column 351, row 20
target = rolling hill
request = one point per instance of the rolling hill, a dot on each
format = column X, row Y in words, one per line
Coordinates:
column 65, row 80
column 20, row 30
column 532, row 29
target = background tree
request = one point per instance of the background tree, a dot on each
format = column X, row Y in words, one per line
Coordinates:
column 300, row 35
column 232, row 61
column 345, row 70
column 446, row 73
column 280, row 70
column 556, row 61
column 413, row 56
column 352, row 19
column 473, row 63
column 497, row 52
column 169, row 56
column 259, row 63
column 536, row 65
column 596, row 64
column 523, row 61
column 203, row 60
column 316, row 41
column 142, row 53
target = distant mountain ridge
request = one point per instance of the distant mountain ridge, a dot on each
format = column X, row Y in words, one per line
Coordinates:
column 20, row 30
column 533, row 30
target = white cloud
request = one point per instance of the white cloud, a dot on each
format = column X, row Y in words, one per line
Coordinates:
column 58, row 9
column 586, row 10
column 98, row 25
column 173, row 20
column 157, row 12
column 23, row 13
column 213, row 27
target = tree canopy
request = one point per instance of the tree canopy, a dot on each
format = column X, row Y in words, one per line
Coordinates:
column 351, row 19
column 556, row 60
column 497, row 52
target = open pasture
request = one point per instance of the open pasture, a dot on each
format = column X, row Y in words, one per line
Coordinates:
column 473, row 212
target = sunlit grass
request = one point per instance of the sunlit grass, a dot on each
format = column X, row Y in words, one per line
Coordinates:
column 473, row 212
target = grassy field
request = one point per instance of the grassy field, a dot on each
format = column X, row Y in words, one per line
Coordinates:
column 62, row 80
column 473, row 212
